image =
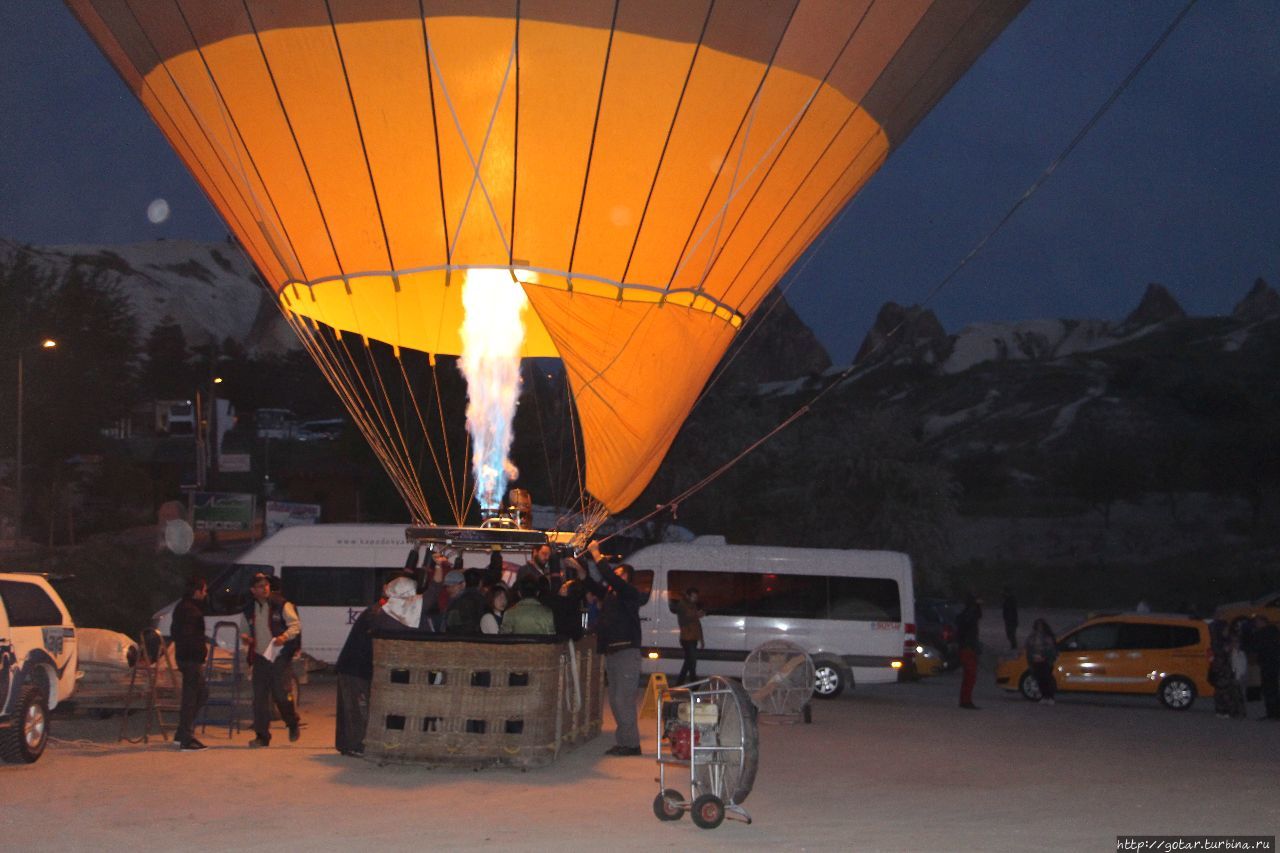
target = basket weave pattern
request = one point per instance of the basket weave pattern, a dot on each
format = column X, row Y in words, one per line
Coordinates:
column 482, row 703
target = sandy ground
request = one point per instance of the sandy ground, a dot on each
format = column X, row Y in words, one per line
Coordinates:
column 893, row 767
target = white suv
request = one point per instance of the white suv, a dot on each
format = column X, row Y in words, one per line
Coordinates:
column 38, row 662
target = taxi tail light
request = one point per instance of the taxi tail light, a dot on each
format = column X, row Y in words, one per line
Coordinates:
column 909, row 640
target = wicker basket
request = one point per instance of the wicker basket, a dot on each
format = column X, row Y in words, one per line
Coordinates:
column 482, row 701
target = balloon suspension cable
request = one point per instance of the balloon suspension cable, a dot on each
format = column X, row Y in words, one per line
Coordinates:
column 592, row 516
column 854, row 367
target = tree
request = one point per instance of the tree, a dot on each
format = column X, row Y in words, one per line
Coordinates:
column 1101, row 467
column 91, row 381
column 83, row 385
column 166, row 371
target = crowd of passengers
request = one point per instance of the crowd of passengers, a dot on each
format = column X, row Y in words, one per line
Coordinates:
column 562, row 596
column 543, row 596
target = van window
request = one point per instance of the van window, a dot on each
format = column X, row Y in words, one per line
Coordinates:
column 865, row 599
column 324, row 586
column 787, row 596
column 791, row 596
column 28, row 605
column 721, row 593
column 229, row 592
column 1094, row 638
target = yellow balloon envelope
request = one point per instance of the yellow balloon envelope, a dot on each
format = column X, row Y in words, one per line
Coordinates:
column 647, row 169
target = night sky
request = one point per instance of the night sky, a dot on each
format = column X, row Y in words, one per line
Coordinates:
column 1179, row 183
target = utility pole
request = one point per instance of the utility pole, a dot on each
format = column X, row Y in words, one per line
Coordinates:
column 47, row 343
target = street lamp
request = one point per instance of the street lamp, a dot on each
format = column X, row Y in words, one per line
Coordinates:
column 206, row 427
column 47, row 343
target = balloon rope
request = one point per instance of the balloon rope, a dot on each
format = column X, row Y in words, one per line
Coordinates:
column 402, row 448
column 417, row 410
column 1066, row 152
column 854, row 366
column 789, row 131
column 666, row 142
column 472, row 158
column 343, row 385
column 448, row 453
column 577, row 457
column 685, row 251
column 374, row 433
column 407, row 476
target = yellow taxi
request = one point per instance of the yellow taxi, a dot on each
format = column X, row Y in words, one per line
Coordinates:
column 927, row 661
column 1142, row 653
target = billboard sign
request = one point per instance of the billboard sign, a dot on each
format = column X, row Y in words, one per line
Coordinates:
column 286, row 514
column 222, row 511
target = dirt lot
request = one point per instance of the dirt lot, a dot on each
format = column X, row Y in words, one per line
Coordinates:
column 895, row 767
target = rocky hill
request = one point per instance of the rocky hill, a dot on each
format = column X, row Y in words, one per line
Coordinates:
column 209, row 289
column 1070, row 442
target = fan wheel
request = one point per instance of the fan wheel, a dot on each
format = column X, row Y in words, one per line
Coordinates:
column 779, row 677
column 730, row 770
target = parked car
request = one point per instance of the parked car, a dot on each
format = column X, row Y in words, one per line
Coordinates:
column 1267, row 605
column 1141, row 653
column 927, row 661
column 38, row 663
column 936, row 627
column 329, row 429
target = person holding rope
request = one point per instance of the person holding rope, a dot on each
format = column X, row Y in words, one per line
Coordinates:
column 619, row 642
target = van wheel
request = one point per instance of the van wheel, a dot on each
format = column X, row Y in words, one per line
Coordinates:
column 828, row 679
column 1177, row 693
column 1029, row 687
column 25, row 740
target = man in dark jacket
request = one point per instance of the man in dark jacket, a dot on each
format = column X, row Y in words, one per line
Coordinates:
column 967, row 631
column 355, row 677
column 619, row 641
column 189, row 651
column 466, row 602
column 275, row 635
column 539, row 564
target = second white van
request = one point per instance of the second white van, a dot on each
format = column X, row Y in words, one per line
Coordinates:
column 847, row 609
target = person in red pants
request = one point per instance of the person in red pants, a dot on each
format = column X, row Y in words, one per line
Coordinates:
column 970, row 647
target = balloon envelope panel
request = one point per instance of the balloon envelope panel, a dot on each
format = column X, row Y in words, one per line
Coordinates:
column 647, row 170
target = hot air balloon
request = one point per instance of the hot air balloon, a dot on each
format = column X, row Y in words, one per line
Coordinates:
column 643, row 170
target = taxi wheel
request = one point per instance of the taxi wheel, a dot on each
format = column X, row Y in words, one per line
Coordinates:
column 1177, row 693
column 1029, row 687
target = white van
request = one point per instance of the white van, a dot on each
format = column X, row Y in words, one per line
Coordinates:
column 846, row 608
column 331, row 572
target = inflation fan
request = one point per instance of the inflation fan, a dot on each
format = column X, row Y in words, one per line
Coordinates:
column 778, row 676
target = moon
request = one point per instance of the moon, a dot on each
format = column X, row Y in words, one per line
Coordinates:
column 158, row 211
